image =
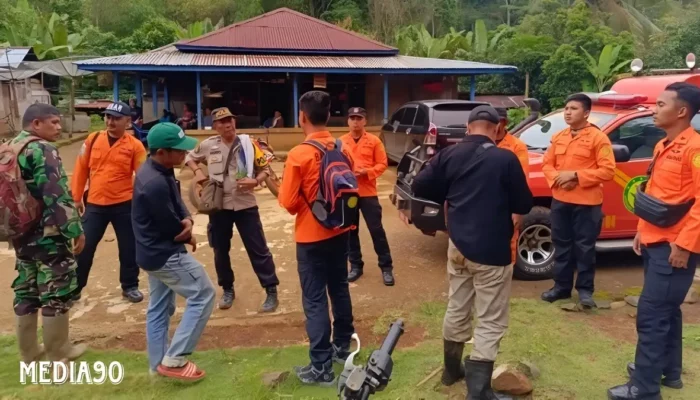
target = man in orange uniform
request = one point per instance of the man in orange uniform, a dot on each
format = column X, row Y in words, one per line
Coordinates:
column 578, row 162
column 108, row 159
column 670, row 249
column 505, row 140
column 322, row 254
column 370, row 163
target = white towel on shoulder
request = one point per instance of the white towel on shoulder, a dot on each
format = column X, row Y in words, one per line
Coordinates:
column 249, row 154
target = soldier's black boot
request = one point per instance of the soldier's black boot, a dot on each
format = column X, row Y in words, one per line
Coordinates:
column 478, row 376
column 454, row 369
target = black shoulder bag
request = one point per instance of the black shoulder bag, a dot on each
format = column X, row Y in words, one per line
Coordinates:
column 655, row 211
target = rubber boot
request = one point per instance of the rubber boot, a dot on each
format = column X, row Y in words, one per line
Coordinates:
column 478, row 377
column 29, row 347
column 454, row 369
column 58, row 346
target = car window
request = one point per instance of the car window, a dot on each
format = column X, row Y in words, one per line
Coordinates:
column 639, row 135
column 397, row 116
column 539, row 134
column 452, row 115
column 421, row 117
column 408, row 116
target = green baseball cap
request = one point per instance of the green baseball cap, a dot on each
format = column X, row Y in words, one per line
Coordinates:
column 167, row 135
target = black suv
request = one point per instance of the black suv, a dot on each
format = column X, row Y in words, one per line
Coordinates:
column 441, row 124
column 430, row 122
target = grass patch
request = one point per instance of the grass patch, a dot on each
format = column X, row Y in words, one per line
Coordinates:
column 577, row 362
column 633, row 291
column 97, row 123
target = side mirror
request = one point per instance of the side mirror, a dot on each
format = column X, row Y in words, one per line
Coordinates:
column 621, row 152
column 533, row 104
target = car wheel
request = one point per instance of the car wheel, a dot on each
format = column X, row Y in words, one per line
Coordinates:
column 535, row 251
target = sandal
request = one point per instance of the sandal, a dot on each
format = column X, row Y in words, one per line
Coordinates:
column 188, row 372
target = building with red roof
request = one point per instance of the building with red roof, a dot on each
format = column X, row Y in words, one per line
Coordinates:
column 262, row 65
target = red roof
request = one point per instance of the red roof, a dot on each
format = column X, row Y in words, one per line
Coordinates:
column 287, row 31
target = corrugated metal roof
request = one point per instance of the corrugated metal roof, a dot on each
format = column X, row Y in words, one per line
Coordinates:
column 11, row 57
column 171, row 57
column 285, row 29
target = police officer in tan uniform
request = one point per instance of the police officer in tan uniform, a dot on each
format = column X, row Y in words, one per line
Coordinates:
column 247, row 168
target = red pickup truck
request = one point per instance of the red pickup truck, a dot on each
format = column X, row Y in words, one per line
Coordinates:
column 625, row 114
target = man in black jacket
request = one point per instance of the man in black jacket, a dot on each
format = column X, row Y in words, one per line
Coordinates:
column 483, row 187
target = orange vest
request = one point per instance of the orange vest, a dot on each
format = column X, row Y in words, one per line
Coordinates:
column 368, row 154
column 301, row 174
column 674, row 180
column 111, row 169
column 590, row 155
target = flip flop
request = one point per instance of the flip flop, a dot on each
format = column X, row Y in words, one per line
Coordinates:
column 188, row 372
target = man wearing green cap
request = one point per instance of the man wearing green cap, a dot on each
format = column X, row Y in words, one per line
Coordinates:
column 162, row 226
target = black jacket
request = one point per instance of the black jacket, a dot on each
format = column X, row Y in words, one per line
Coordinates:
column 481, row 197
column 157, row 212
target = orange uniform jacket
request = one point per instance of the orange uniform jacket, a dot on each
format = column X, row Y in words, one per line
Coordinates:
column 300, row 182
column 111, row 169
column 590, row 155
column 519, row 148
column 368, row 154
column 674, row 180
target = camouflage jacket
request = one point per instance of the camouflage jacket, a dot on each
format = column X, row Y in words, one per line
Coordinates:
column 46, row 180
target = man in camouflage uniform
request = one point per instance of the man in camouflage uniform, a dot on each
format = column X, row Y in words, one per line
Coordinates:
column 45, row 264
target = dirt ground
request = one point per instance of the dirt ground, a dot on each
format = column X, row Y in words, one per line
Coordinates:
column 103, row 319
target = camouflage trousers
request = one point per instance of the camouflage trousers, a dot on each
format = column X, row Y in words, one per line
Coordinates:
column 46, row 279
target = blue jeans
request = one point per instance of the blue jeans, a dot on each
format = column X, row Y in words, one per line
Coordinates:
column 182, row 275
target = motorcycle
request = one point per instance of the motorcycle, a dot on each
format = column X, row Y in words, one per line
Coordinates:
column 358, row 383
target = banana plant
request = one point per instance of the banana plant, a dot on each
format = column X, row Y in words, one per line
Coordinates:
column 199, row 28
column 53, row 40
column 605, row 69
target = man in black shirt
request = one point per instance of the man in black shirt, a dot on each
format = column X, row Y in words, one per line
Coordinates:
column 483, row 187
column 162, row 226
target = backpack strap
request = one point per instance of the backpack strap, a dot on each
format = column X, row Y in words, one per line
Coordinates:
column 316, row 144
column 19, row 146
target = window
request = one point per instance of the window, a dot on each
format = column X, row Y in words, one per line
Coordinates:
column 639, row 135
column 396, row 118
column 408, row 116
column 421, row 118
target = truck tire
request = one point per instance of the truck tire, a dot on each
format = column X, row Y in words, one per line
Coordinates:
column 534, row 260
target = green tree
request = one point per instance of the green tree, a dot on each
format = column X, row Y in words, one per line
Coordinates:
column 528, row 53
column 679, row 37
column 122, row 17
column 347, row 13
column 562, row 71
column 155, row 33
